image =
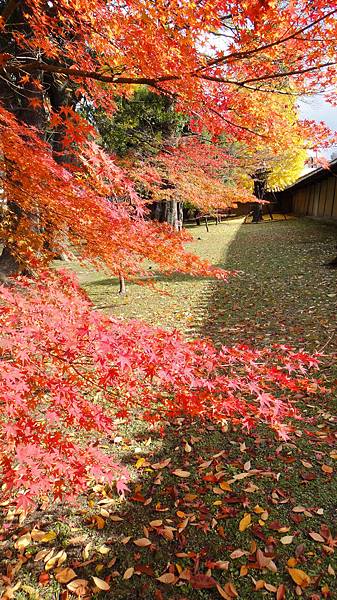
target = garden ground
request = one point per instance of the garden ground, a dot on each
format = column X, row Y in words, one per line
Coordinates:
column 212, row 512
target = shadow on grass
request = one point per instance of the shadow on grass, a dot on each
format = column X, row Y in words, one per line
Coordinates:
column 283, row 292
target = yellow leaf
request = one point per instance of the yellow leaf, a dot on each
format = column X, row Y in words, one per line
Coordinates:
column 49, row 536
column 245, row 522
column 32, row 592
column 167, row 578
column 100, row 583
column 181, row 473
column 56, row 560
column 299, row 577
column 128, row 573
column 142, row 542
column 327, row 469
column 286, row 539
column 23, row 541
column 65, row 575
column 85, row 552
column 103, row 549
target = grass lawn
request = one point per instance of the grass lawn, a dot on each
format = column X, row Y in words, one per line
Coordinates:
column 251, row 517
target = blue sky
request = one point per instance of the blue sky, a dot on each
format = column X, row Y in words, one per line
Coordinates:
column 317, row 109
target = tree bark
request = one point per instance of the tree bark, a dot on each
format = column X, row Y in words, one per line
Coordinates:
column 169, row 211
column 21, row 105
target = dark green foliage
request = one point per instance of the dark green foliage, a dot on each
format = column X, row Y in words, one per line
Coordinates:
column 140, row 125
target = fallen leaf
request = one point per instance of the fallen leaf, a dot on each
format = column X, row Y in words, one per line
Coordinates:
column 317, row 537
column 156, row 523
column 259, row 585
column 181, row 473
column 103, row 549
column 100, row 523
column 64, row 575
column 167, row 578
column 245, row 522
column 281, row 592
column 101, row 584
column 78, row 586
column 142, row 542
column 222, row 592
column 128, row 573
column 56, row 561
column 225, row 486
column 202, row 582
column 237, row 553
column 300, row 577
column 286, row 539
column 161, row 465
column 23, row 541
column 49, row 536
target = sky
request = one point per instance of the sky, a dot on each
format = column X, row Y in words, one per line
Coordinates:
column 316, row 108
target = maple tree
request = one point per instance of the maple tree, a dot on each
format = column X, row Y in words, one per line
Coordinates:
column 67, row 368
column 60, row 189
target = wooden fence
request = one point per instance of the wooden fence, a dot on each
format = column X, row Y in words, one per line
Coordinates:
column 316, row 199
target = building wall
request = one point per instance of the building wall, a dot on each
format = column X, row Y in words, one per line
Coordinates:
column 317, row 199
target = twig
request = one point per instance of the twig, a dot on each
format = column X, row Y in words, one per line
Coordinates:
column 328, row 341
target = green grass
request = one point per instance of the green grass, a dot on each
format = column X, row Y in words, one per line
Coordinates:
column 282, row 293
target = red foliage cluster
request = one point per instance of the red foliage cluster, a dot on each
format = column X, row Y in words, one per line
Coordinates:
column 91, row 206
column 68, row 371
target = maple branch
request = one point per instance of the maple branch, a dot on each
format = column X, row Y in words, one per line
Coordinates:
column 266, row 77
column 247, row 53
column 150, row 81
column 213, row 110
column 38, row 65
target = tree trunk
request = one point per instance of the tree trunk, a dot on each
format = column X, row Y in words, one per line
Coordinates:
column 22, row 106
column 122, row 286
column 169, row 211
